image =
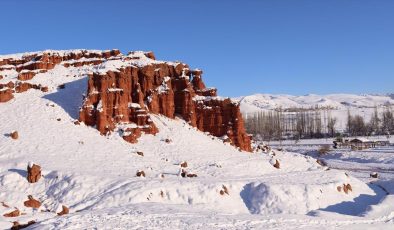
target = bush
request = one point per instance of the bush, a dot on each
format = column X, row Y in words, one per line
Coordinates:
column 324, row 149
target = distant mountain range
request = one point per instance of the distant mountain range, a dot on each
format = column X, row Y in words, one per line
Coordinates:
column 258, row 102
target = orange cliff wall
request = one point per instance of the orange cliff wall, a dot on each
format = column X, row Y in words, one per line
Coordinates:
column 128, row 94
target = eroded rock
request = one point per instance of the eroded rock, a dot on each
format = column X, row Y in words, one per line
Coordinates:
column 14, row 213
column 32, row 203
column 65, row 211
column 6, row 95
column 33, row 173
column 121, row 96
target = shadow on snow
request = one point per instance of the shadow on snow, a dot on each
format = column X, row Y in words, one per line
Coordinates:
column 359, row 206
column 70, row 98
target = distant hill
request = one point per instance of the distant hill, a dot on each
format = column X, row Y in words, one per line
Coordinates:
column 258, row 102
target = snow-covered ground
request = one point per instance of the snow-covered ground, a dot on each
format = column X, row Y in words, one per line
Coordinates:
column 95, row 176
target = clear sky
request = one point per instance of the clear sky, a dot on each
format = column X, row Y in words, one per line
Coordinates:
column 244, row 47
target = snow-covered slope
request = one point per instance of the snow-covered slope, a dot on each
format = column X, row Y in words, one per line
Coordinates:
column 95, row 175
column 335, row 101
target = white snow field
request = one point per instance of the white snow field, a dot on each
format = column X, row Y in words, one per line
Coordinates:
column 95, row 175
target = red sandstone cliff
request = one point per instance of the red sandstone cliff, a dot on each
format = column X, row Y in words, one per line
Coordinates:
column 126, row 95
column 124, row 89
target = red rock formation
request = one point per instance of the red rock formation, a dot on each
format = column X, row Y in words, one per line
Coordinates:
column 123, row 97
column 32, row 203
column 14, row 135
column 26, row 75
column 25, row 86
column 48, row 60
column 14, row 213
column 5, row 95
column 64, row 211
column 33, row 173
column 119, row 97
column 222, row 117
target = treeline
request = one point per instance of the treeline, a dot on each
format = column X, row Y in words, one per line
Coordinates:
column 379, row 124
column 278, row 125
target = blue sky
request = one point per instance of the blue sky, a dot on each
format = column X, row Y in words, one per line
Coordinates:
column 244, row 47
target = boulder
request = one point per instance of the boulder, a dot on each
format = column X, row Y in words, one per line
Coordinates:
column 32, row 203
column 277, row 164
column 33, row 173
column 64, row 211
column 6, row 95
column 16, row 225
column 14, row 135
column 374, row 175
column 140, row 173
column 14, row 213
column 224, row 190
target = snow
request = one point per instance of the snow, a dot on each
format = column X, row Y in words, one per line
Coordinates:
column 95, row 175
column 134, row 105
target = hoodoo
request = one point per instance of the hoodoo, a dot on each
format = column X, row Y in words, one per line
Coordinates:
column 140, row 85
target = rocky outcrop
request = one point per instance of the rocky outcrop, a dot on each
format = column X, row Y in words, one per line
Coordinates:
column 26, row 75
column 31, row 64
column 222, row 118
column 126, row 94
column 6, row 95
column 33, row 173
column 47, row 60
column 123, row 90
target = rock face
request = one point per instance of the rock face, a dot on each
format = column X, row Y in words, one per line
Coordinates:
column 31, row 64
column 33, row 173
column 123, row 96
